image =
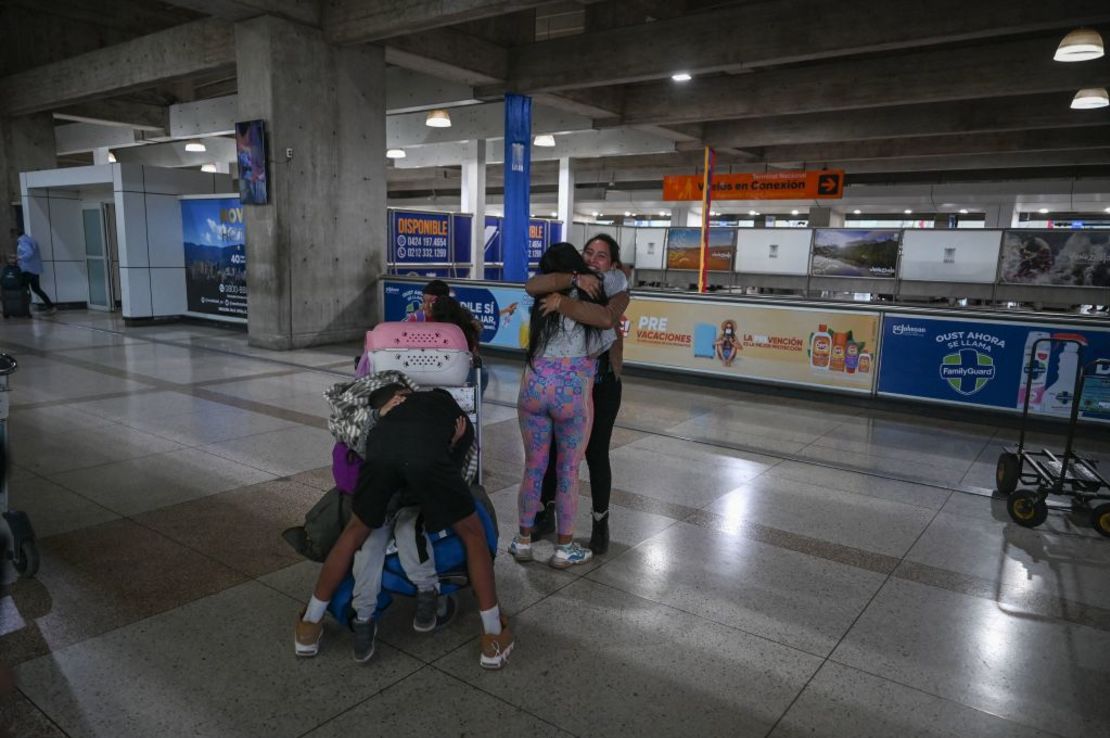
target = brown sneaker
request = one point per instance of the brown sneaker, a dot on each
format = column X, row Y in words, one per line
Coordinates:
column 496, row 648
column 306, row 640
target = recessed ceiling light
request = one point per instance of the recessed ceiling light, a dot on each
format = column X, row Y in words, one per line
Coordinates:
column 208, row 168
column 681, row 77
column 196, row 147
column 963, row 211
column 857, row 211
column 1107, row 210
column 1043, row 211
column 554, row 215
column 793, row 212
column 752, row 212
column 627, row 214
column 111, row 158
column 1090, row 98
column 907, row 211
column 595, row 213
column 438, row 119
column 1081, row 44
column 395, row 154
column 544, row 140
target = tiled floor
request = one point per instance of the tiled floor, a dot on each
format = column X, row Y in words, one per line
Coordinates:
column 782, row 567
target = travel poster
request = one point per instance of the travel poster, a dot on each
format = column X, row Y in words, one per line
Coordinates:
column 215, row 257
column 840, row 252
column 1057, row 258
column 684, row 248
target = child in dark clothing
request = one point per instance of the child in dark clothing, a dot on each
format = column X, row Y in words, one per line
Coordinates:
column 416, row 450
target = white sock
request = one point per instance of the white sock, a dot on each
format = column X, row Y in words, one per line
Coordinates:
column 360, row 619
column 314, row 613
column 601, row 515
column 491, row 620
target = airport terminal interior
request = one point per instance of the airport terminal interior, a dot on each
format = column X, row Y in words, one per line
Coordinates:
column 861, row 443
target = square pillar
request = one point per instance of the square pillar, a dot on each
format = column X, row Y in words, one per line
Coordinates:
column 566, row 196
column 26, row 145
column 316, row 251
column 473, row 193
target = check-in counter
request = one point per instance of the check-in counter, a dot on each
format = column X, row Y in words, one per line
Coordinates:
column 961, row 357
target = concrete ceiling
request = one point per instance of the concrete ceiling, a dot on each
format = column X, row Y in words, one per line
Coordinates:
column 897, row 91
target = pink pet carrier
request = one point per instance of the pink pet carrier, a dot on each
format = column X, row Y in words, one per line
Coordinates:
column 434, row 354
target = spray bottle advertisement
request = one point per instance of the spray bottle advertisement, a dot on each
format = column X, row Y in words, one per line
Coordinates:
column 976, row 362
column 792, row 345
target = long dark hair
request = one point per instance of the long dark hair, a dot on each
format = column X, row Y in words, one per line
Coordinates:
column 559, row 258
column 449, row 310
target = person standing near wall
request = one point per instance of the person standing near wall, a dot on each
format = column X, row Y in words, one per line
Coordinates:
column 602, row 253
column 30, row 262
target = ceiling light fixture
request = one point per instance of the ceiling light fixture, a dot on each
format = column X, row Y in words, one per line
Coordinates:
column 963, row 211
column 681, row 77
column 627, row 214
column 111, row 158
column 595, row 213
column 438, row 119
column 907, row 211
column 752, row 212
column 1107, row 210
column 395, row 154
column 197, row 147
column 544, row 140
column 1082, row 44
column 793, row 212
column 662, row 213
column 1043, row 211
column 1090, row 98
column 554, row 215
column 208, row 168
column 857, row 211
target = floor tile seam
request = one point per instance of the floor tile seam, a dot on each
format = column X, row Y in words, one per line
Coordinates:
column 942, row 698
column 42, row 711
column 502, row 700
column 380, row 691
column 202, row 444
column 706, row 619
column 1043, row 605
column 262, row 408
column 853, row 493
column 82, row 399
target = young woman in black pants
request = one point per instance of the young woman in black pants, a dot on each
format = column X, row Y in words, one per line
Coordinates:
column 602, row 253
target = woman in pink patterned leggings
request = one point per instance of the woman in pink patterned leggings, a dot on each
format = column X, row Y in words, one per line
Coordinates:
column 556, row 398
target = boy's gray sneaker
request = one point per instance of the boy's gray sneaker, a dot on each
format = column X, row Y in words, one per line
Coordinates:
column 365, row 632
column 427, row 602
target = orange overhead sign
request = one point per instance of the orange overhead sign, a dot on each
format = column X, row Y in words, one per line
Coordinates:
column 814, row 185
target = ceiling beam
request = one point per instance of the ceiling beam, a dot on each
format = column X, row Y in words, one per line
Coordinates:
column 1096, row 137
column 179, row 52
column 75, row 138
column 1017, row 160
column 761, row 34
column 358, row 21
column 475, row 121
column 302, row 11
column 450, row 55
column 1027, row 112
column 173, row 154
column 610, row 142
column 123, row 113
column 1007, row 68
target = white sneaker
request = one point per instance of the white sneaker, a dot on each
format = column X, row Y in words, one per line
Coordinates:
column 521, row 550
column 569, row 555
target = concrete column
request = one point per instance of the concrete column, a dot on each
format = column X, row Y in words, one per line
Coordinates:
column 1002, row 215
column 100, row 155
column 825, row 218
column 474, row 201
column 316, row 251
column 26, row 145
column 566, row 195
column 679, row 214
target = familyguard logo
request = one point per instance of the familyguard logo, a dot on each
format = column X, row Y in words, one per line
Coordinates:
column 967, row 371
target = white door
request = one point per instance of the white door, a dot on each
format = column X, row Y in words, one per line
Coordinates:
column 96, row 260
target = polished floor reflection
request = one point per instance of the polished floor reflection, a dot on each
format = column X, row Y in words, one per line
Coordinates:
column 779, row 566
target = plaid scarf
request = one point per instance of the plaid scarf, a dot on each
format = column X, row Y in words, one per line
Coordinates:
column 352, row 418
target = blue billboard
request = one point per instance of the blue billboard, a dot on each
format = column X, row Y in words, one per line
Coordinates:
column 214, row 238
column 984, row 363
column 503, row 311
column 419, row 238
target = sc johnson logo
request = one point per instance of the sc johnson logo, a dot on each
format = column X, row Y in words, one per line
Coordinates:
column 901, row 329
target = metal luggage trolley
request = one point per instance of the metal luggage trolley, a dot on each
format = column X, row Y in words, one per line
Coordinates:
column 1068, row 475
column 18, row 548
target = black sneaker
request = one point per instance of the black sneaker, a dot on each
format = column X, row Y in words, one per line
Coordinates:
column 365, row 632
column 599, row 537
column 426, row 603
column 544, row 524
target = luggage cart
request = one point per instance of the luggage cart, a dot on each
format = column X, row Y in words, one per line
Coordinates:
column 1068, row 475
column 18, row 548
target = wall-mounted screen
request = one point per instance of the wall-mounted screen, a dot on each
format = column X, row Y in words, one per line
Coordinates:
column 250, row 148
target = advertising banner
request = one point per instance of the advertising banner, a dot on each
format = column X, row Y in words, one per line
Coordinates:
column 826, row 348
column 537, row 240
column 1056, row 258
column 684, row 248
column 215, row 257
column 839, row 252
column 824, row 184
column 976, row 362
column 504, row 311
column 419, row 238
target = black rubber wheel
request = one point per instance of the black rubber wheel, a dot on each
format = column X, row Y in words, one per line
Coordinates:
column 1100, row 519
column 27, row 559
column 1027, row 508
column 1007, row 473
